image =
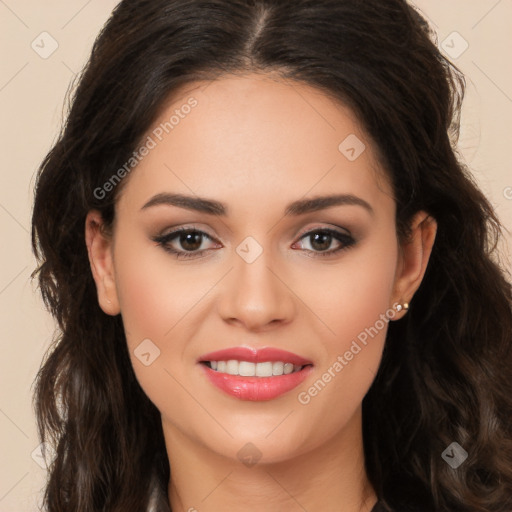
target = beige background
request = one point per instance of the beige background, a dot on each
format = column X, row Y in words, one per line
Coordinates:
column 32, row 91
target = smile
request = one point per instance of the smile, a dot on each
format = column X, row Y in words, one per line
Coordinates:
column 255, row 374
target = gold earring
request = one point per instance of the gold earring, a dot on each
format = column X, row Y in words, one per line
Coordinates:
column 404, row 306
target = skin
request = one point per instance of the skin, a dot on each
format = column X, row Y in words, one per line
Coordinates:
column 256, row 143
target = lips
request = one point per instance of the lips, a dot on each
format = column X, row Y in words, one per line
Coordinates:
column 255, row 374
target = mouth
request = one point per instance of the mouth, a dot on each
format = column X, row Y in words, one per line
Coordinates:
column 255, row 374
column 249, row 369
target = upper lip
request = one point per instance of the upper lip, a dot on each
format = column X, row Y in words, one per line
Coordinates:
column 255, row 355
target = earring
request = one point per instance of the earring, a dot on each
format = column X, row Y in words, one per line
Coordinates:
column 404, row 306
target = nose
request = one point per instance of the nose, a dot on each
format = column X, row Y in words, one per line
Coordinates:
column 257, row 295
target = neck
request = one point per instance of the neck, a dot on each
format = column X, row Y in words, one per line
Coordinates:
column 331, row 477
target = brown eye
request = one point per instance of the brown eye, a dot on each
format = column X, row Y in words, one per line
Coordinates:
column 190, row 241
column 187, row 240
column 321, row 239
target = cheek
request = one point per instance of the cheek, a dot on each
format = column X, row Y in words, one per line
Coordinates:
column 155, row 300
column 357, row 310
column 359, row 291
column 159, row 305
column 143, row 299
column 154, row 295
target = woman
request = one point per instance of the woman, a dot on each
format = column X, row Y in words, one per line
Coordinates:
column 274, row 281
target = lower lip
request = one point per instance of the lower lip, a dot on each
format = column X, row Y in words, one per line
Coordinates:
column 256, row 388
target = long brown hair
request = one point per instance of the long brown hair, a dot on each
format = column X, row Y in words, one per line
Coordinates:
column 445, row 375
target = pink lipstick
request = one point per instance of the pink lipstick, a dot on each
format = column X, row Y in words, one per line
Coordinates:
column 255, row 374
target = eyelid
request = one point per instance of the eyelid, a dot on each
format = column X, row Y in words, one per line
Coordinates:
column 175, row 232
column 323, row 227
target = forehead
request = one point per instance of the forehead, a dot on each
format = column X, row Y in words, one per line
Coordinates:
column 255, row 139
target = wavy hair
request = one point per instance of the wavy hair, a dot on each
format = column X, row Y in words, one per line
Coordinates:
column 445, row 373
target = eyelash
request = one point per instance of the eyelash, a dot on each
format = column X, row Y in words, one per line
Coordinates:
column 163, row 241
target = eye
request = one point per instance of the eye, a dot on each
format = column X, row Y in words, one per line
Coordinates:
column 189, row 239
column 321, row 240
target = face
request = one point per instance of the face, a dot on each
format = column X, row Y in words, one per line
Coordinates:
column 260, row 268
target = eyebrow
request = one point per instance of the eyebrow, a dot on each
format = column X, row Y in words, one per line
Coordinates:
column 296, row 208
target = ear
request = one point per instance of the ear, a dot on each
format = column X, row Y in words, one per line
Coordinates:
column 413, row 258
column 99, row 249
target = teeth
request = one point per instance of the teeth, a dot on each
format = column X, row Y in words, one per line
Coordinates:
column 277, row 368
column 248, row 369
column 232, row 367
column 288, row 368
column 263, row 369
